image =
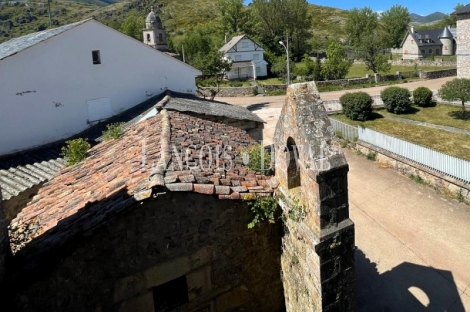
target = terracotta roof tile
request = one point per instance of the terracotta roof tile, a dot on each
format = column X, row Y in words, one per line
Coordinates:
column 172, row 151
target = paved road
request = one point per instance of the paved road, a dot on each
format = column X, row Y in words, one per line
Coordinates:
column 413, row 246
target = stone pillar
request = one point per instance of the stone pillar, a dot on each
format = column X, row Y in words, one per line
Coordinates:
column 318, row 248
column 377, row 77
column 398, row 74
column 463, row 46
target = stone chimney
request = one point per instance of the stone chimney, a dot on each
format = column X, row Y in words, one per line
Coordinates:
column 412, row 29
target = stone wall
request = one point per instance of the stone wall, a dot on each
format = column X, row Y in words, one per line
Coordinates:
column 438, row 181
column 345, row 82
column 268, row 88
column 463, row 46
column 419, row 63
column 318, row 247
column 229, row 91
column 226, row 266
column 438, row 73
column 3, row 241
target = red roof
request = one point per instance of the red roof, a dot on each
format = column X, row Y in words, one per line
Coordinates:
column 171, row 151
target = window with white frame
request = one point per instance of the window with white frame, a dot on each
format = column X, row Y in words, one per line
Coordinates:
column 244, row 44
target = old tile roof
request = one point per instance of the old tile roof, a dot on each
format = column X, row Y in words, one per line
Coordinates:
column 16, row 45
column 23, row 170
column 171, row 151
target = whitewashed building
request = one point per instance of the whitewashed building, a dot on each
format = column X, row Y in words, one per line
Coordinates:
column 58, row 82
column 247, row 58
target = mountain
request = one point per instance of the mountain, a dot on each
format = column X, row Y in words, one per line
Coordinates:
column 434, row 17
column 21, row 18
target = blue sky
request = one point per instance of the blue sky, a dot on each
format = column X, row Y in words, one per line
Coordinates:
column 421, row 7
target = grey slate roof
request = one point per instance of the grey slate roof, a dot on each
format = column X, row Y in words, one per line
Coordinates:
column 23, row 170
column 187, row 103
column 431, row 37
column 19, row 44
column 463, row 10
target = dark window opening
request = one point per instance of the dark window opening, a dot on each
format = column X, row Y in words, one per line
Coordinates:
column 438, row 52
column 96, row 57
column 160, row 38
column 170, row 295
column 430, row 51
column 148, row 37
column 293, row 169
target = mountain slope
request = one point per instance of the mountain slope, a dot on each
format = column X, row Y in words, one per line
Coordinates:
column 434, row 17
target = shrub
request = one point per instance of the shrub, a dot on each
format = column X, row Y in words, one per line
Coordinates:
column 114, row 131
column 422, row 96
column 235, row 83
column 208, row 82
column 396, row 99
column 263, row 209
column 357, row 105
column 75, row 151
column 253, row 159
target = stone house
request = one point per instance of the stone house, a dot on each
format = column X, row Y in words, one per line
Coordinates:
column 58, row 82
column 463, row 43
column 152, row 221
column 422, row 43
column 247, row 58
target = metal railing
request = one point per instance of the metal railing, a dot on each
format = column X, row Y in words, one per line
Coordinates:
column 443, row 163
column 452, row 166
column 347, row 131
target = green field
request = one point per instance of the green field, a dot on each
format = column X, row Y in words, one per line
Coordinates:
column 454, row 144
column 442, row 114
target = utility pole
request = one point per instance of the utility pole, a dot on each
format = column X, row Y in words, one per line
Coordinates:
column 287, row 57
column 182, row 48
column 49, row 9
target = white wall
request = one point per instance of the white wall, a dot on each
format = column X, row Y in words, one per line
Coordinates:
column 44, row 89
column 245, row 53
column 411, row 47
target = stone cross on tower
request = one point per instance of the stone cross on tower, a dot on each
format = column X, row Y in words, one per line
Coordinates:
column 154, row 33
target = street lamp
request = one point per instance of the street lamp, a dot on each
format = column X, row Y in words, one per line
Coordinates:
column 287, row 55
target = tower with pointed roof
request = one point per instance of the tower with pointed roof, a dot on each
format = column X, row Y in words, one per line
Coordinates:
column 154, row 33
column 447, row 40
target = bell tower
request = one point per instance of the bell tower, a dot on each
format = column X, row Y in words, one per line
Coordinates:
column 154, row 33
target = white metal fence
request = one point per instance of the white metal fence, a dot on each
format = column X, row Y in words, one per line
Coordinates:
column 446, row 164
column 347, row 131
column 453, row 166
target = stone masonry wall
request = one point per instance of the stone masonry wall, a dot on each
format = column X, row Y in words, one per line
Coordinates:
column 463, row 46
column 227, row 266
column 230, row 91
column 3, row 241
column 438, row 73
column 318, row 247
column 440, row 182
column 411, row 63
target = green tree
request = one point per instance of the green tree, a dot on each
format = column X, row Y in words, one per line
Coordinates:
column 370, row 50
column 279, row 66
column 337, row 64
column 274, row 19
column 231, row 16
column 457, row 89
column 395, row 24
column 132, row 26
column 360, row 22
column 357, row 105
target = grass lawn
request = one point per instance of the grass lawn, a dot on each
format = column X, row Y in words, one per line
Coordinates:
column 441, row 114
column 271, row 81
column 359, row 70
column 443, row 141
